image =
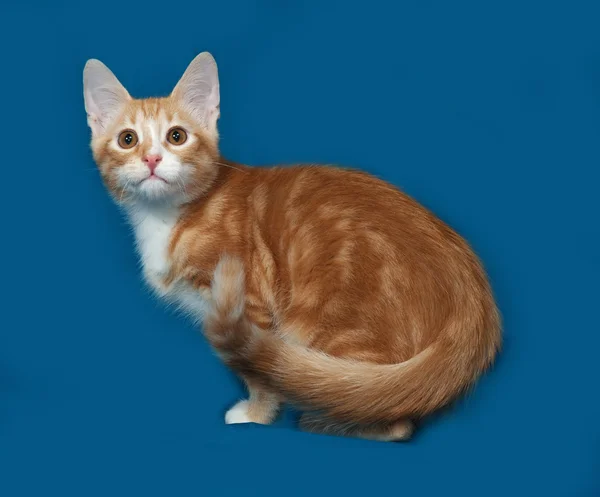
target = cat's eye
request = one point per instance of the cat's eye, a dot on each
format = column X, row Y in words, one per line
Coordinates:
column 128, row 139
column 176, row 136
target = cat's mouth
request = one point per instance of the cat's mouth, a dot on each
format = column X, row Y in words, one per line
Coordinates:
column 153, row 177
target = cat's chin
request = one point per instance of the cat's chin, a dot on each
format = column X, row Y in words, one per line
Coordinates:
column 154, row 191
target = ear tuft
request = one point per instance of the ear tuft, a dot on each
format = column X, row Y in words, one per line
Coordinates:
column 198, row 91
column 104, row 95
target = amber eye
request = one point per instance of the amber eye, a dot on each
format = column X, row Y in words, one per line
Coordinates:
column 128, row 139
column 176, row 136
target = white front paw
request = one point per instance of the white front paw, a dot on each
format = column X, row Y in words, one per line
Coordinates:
column 238, row 413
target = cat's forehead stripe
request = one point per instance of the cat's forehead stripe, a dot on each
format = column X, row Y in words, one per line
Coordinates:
column 140, row 111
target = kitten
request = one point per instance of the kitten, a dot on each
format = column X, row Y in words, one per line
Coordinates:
column 320, row 286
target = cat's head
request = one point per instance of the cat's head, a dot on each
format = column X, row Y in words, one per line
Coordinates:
column 155, row 150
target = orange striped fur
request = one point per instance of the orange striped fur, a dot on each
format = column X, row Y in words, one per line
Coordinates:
column 321, row 286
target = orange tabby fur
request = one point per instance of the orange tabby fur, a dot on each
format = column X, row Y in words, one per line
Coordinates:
column 334, row 290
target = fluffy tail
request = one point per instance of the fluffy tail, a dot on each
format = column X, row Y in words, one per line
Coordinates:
column 341, row 389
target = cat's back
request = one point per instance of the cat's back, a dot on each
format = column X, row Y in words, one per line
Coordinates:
column 310, row 184
column 331, row 201
column 312, row 207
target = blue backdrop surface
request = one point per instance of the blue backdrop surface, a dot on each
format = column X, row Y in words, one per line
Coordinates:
column 487, row 112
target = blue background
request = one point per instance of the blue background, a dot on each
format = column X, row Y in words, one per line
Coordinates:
column 486, row 112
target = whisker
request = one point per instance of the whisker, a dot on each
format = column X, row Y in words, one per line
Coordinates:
column 123, row 191
column 229, row 166
column 180, row 182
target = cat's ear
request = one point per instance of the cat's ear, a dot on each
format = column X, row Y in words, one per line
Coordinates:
column 198, row 91
column 104, row 96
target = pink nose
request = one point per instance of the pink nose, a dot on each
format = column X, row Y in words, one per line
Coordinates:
column 152, row 161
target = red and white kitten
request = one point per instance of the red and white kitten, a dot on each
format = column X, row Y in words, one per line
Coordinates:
column 320, row 286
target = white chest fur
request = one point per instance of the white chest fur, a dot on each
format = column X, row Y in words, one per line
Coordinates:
column 153, row 227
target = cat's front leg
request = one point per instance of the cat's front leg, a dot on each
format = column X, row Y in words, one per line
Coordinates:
column 261, row 407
